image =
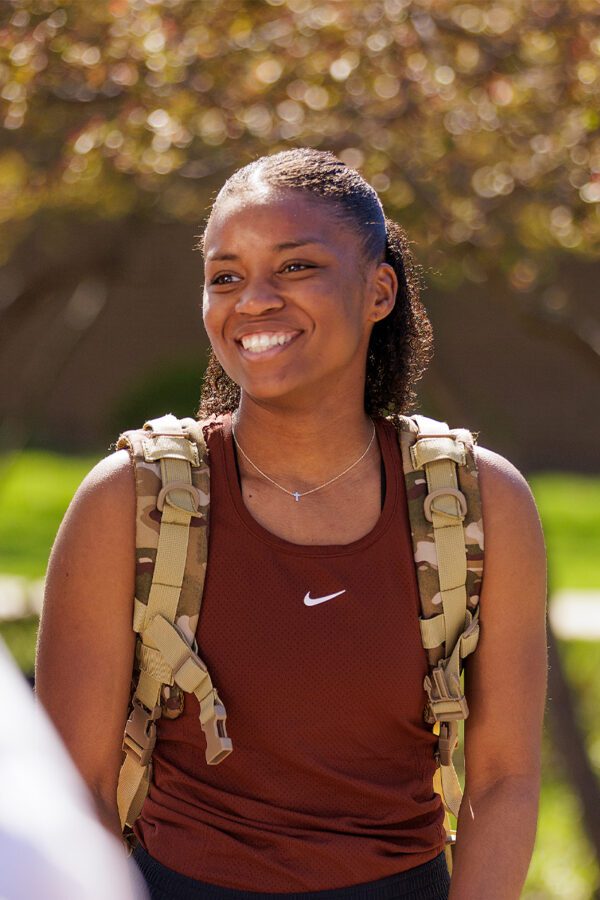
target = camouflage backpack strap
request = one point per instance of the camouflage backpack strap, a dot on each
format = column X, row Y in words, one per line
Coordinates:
column 172, row 497
column 447, row 534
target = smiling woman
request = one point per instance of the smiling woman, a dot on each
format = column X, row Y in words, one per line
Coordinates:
column 310, row 609
column 286, row 316
column 338, row 235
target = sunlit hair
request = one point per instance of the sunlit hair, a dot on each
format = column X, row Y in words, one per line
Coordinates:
column 400, row 346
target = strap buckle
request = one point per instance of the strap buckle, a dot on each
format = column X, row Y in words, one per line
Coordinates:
column 447, row 703
column 140, row 732
column 442, row 492
column 447, row 743
column 218, row 745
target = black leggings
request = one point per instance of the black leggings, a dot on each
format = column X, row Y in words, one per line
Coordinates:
column 427, row 882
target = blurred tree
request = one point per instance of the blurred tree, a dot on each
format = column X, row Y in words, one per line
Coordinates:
column 477, row 122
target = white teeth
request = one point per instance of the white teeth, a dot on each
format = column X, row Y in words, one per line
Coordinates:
column 257, row 343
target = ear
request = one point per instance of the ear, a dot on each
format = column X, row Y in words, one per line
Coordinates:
column 384, row 286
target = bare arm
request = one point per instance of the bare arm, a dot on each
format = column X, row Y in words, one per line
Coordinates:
column 86, row 642
column 505, row 686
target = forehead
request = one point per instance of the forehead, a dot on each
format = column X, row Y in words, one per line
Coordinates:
column 264, row 213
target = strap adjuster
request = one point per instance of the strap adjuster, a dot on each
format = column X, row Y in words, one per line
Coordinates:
column 428, row 448
column 218, row 744
column 140, row 732
column 445, row 492
column 447, row 703
column 164, row 492
column 447, row 744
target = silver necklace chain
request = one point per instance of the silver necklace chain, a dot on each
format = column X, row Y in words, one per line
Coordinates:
column 297, row 494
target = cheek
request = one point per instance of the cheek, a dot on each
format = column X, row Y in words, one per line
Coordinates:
column 210, row 315
column 213, row 316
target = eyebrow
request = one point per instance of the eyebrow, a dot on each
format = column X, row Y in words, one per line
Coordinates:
column 287, row 245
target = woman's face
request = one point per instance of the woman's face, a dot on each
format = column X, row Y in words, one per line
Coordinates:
column 289, row 300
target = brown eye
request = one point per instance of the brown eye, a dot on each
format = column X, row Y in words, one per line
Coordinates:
column 297, row 267
column 225, row 278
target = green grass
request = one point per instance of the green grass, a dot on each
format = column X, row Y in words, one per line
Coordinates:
column 569, row 507
column 36, row 488
column 563, row 866
column 20, row 637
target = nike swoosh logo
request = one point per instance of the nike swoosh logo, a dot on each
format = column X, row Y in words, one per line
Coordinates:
column 313, row 601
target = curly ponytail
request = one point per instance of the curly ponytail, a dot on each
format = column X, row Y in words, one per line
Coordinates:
column 401, row 345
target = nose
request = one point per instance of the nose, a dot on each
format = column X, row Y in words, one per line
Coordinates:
column 257, row 298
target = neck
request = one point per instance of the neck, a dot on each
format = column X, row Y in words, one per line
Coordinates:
column 301, row 447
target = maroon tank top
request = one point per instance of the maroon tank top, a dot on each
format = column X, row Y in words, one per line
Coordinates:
column 330, row 780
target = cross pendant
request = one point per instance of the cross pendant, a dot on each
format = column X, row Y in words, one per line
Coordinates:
column 296, row 495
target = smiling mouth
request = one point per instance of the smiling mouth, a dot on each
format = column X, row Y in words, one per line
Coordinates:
column 262, row 342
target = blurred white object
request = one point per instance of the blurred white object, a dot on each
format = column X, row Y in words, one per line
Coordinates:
column 20, row 597
column 575, row 615
column 51, row 844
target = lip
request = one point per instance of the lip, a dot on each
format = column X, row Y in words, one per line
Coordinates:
column 272, row 351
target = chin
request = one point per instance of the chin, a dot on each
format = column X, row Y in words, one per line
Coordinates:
column 264, row 393
column 267, row 387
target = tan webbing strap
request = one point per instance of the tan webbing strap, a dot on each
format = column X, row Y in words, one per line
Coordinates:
column 177, row 503
column 445, row 507
column 190, row 673
column 450, row 833
column 451, row 789
column 164, row 654
column 134, row 783
column 177, row 511
column 438, row 453
column 159, row 632
column 138, row 743
column 139, row 614
column 433, row 633
column 153, row 663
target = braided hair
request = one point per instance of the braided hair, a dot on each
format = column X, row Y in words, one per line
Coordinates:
column 400, row 345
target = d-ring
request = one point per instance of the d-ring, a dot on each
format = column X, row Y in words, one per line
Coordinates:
column 444, row 492
column 178, row 486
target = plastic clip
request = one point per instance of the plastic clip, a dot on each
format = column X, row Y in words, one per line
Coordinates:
column 218, row 745
column 447, row 743
column 140, row 732
column 447, row 703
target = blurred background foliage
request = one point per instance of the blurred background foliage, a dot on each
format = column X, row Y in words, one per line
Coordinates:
column 172, row 386
column 478, row 120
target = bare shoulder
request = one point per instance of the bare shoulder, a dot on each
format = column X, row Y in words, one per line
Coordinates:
column 100, row 521
column 515, row 555
column 97, row 534
column 499, row 475
column 111, row 481
column 95, row 543
column 506, row 497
